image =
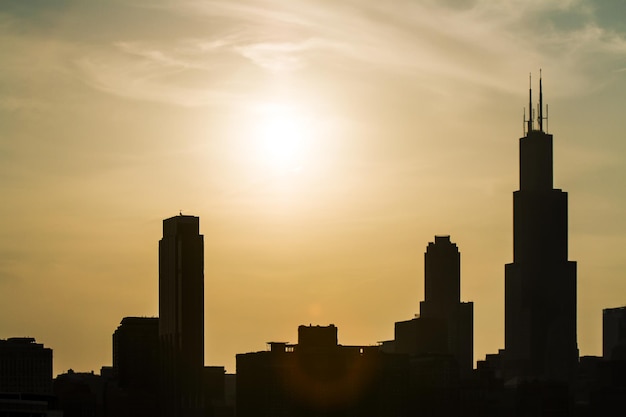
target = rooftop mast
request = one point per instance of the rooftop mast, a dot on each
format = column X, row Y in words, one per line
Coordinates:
column 540, row 118
column 530, row 103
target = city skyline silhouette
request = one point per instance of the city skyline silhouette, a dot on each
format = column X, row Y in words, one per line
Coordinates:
column 321, row 146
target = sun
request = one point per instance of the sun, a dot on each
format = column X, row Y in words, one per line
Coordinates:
column 283, row 138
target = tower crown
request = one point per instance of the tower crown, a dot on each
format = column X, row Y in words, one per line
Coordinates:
column 529, row 123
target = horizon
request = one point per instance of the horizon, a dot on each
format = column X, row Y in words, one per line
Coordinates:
column 322, row 147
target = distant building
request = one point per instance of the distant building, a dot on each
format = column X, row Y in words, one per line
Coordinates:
column 445, row 325
column 136, row 353
column 440, row 341
column 614, row 333
column 607, row 396
column 442, row 301
column 319, row 377
column 25, row 366
column 181, row 317
column 420, row 336
column 540, row 283
column 135, row 370
column 82, row 394
column 214, row 391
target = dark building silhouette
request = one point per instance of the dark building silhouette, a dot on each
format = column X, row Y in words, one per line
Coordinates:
column 440, row 341
column 319, row 377
column 135, row 368
column 83, row 394
column 442, row 300
column 607, row 396
column 25, row 366
column 540, row 284
column 614, row 333
column 17, row 404
column 136, row 352
column 181, row 317
column 601, row 381
column 214, row 392
column 445, row 325
column 420, row 336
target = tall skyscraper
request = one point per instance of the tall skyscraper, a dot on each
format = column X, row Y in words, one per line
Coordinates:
column 540, row 284
column 442, row 300
column 181, row 316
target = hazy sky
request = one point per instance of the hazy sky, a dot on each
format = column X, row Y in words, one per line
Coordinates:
column 323, row 145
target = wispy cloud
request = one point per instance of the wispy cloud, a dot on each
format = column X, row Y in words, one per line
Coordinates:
column 488, row 44
column 283, row 56
column 146, row 72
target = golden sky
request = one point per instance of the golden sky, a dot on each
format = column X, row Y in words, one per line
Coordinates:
column 323, row 144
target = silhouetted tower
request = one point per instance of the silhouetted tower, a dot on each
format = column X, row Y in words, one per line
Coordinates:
column 614, row 333
column 181, row 316
column 136, row 367
column 442, row 301
column 136, row 353
column 540, row 284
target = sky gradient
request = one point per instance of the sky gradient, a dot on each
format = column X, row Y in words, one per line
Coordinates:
column 323, row 144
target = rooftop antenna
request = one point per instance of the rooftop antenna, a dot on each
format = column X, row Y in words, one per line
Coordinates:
column 530, row 103
column 540, row 119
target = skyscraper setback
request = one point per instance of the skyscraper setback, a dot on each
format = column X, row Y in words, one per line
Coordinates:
column 540, row 283
column 181, row 316
column 442, row 300
column 445, row 325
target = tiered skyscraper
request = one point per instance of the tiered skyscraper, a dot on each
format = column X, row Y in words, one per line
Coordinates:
column 442, row 300
column 540, row 284
column 445, row 325
column 181, row 316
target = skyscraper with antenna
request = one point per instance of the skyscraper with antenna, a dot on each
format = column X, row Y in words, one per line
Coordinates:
column 540, row 283
column 181, row 317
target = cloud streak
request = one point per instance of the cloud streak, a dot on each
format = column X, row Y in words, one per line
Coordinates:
column 488, row 44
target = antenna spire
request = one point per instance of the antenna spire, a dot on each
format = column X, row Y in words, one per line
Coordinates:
column 540, row 119
column 530, row 103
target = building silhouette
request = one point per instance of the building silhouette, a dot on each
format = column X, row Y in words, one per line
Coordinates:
column 445, row 325
column 181, row 317
column 26, row 385
column 319, row 377
column 442, row 300
column 614, row 333
column 540, row 283
column 601, row 380
column 135, row 370
column 136, row 352
column 86, row 394
column 25, row 366
column 439, row 342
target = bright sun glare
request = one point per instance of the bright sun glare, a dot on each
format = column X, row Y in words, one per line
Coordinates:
column 284, row 136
